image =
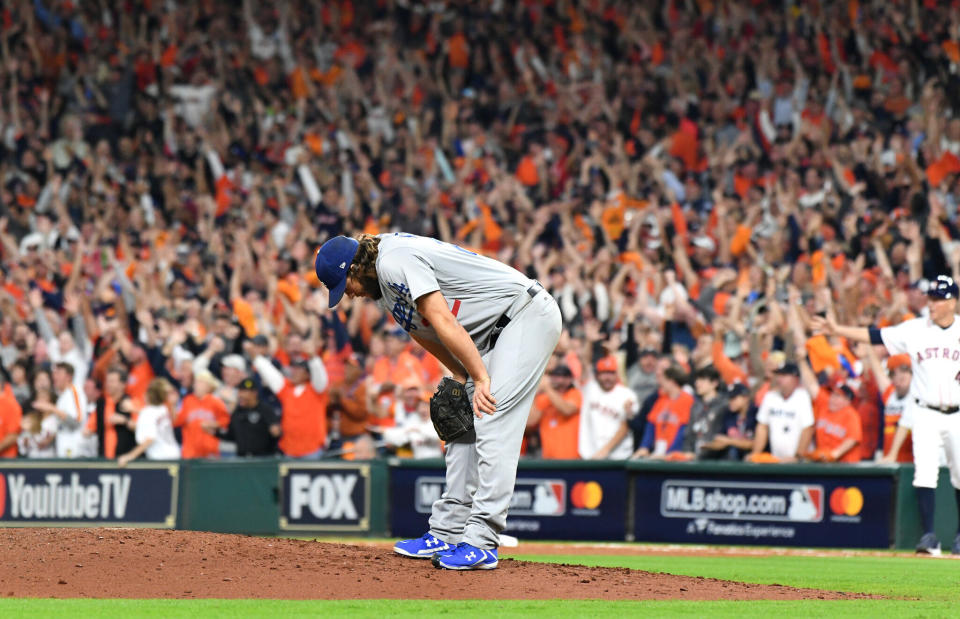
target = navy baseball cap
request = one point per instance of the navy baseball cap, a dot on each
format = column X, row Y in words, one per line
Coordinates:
column 943, row 288
column 737, row 389
column 333, row 261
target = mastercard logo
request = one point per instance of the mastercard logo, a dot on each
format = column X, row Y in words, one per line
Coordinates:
column 846, row 501
column 586, row 495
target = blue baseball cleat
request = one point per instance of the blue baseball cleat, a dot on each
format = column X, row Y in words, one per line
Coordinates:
column 466, row 557
column 421, row 547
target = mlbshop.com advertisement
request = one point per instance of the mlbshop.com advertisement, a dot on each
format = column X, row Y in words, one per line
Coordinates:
column 821, row 511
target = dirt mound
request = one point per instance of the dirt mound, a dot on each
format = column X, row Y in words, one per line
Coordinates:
column 145, row 563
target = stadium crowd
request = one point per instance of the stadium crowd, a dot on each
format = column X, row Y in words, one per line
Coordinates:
column 693, row 181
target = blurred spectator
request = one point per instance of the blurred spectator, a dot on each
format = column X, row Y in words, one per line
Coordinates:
column 642, row 373
column 895, row 389
column 37, row 436
column 667, row 421
column 254, row 425
column 397, row 365
column 740, row 423
column 304, row 398
column 70, row 409
column 837, row 426
column 11, row 416
column 63, row 347
column 411, row 394
column 556, row 415
column 20, row 384
column 113, row 417
column 416, row 431
column 607, row 406
column 707, row 417
column 785, row 419
column 198, row 411
column 348, row 401
column 154, row 431
column 838, row 430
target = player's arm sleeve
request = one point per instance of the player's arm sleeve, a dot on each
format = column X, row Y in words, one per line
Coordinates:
column 270, row 375
column 895, row 338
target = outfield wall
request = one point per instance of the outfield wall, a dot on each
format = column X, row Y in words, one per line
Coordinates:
column 847, row 506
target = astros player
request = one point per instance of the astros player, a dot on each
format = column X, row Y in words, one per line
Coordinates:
column 933, row 344
column 495, row 330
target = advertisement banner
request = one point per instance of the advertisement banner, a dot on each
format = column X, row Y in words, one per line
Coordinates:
column 546, row 504
column 88, row 495
column 324, row 497
column 848, row 512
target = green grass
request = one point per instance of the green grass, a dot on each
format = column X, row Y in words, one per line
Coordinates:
column 894, row 576
column 918, row 588
column 123, row 609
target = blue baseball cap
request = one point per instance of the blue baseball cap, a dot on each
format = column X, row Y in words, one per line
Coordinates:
column 943, row 288
column 333, row 262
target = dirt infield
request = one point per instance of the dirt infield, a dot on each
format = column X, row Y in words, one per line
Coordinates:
column 129, row 563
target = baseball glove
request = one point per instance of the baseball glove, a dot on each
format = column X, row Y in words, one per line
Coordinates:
column 450, row 410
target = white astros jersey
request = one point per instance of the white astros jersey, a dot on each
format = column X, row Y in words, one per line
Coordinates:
column 935, row 357
column 478, row 290
column 601, row 415
column 785, row 419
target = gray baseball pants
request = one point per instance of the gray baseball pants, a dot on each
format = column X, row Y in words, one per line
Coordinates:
column 482, row 470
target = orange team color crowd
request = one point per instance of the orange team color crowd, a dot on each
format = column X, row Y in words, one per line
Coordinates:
column 694, row 182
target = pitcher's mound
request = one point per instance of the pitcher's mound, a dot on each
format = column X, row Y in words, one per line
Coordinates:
column 146, row 563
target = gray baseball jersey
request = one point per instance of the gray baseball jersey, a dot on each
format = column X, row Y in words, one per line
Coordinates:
column 478, row 289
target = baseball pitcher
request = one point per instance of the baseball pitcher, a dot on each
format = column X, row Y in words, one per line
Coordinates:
column 494, row 329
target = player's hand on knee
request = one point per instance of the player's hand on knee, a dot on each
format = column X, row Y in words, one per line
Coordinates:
column 483, row 402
